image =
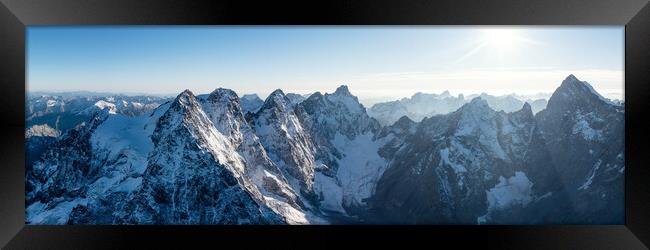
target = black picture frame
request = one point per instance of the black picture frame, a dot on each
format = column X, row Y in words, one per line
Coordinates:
column 15, row 15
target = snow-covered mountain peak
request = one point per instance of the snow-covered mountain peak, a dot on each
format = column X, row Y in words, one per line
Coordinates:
column 405, row 123
column 185, row 98
column 527, row 108
column 186, row 116
column 476, row 117
column 184, row 109
column 194, row 169
column 342, row 90
column 316, row 96
column 277, row 99
column 404, row 120
column 419, row 96
column 525, row 111
column 572, row 83
column 573, row 90
column 571, row 78
column 224, row 94
column 106, row 105
column 340, row 112
column 186, row 92
column 343, row 97
column 477, row 103
column 276, row 93
column 250, row 103
column 591, row 114
column 223, row 103
column 100, row 106
column 525, row 114
column 223, row 108
column 183, row 101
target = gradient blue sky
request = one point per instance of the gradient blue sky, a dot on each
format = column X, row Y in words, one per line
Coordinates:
column 375, row 62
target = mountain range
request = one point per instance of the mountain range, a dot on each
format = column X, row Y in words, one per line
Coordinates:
column 324, row 159
column 422, row 105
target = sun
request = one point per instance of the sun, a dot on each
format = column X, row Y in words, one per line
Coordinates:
column 499, row 44
column 501, row 39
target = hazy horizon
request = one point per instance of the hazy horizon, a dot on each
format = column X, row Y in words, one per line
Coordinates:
column 365, row 100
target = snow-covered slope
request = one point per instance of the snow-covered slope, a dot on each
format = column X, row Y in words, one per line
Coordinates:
column 194, row 175
column 54, row 183
column 143, row 168
column 289, row 146
column 349, row 163
column 223, row 108
column 329, row 115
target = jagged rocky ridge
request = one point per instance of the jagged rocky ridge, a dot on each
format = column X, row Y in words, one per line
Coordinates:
column 208, row 159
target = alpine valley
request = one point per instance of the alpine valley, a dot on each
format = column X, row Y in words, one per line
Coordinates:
column 220, row 158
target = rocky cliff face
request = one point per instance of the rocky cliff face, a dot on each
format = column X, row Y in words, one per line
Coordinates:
column 483, row 165
column 331, row 115
column 288, row 143
column 223, row 108
column 175, row 168
column 346, row 150
column 69, row 165
column 457, row 168
column 193, row 175
column 585, row 133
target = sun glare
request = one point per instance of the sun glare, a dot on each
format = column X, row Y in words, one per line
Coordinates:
column 498, row 43
column 501, row 39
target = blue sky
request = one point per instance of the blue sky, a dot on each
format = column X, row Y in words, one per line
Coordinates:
column 375, row 62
